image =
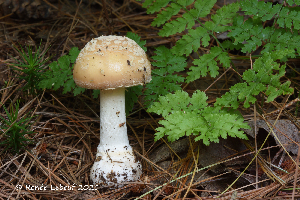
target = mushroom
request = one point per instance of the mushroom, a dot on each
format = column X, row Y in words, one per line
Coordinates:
column 111, row 63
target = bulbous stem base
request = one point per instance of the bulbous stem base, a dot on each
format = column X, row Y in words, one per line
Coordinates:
column 115, row 167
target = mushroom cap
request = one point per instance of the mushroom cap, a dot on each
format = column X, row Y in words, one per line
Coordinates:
column 110, row 62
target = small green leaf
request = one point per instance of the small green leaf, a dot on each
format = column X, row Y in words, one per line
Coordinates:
column 207, row 64
column 166, row 14
column 155, row 6
column 78, row 90
column 64, row 62
column 96, row 94
column 191, row 41
column 131, row 96
column 69, row 85
column 74, row 52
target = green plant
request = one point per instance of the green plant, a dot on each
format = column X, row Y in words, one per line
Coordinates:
column 262, row 25
column 186, row 116
column 32, row 67
column 61, row 74
column 14, row 129
column 261, row 78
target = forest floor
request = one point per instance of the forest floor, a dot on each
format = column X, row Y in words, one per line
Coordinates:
column 56, row 165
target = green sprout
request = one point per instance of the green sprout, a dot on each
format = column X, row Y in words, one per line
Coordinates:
column 31, row 65
column 13, row 129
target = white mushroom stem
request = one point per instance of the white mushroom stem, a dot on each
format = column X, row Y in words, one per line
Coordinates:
column 115, row 162
column 113, row 130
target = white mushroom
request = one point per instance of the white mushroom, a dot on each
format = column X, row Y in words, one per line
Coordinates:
column 111, row 63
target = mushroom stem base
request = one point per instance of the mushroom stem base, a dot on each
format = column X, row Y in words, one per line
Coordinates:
column 113, row 168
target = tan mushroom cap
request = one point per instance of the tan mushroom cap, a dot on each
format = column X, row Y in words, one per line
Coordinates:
column 110, row 62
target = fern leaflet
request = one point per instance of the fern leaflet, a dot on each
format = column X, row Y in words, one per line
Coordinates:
column 166, row 14
column 187, row 21
column 207, row 64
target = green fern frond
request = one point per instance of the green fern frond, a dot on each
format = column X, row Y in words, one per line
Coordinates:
column 250, row 34
column 223, row 17
column 247, row 32
column 155, row 6
column 184, row 2
column 191, row 41
column 282, row 40
column 261, row 9
column 289, row 17
column 187, row 21
column 184, row 116
column 178, row 25
column 207, row 64
column 292, row 2
column 61, row 74
column 202, row 8
column 166, row 14
column 262, row 78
